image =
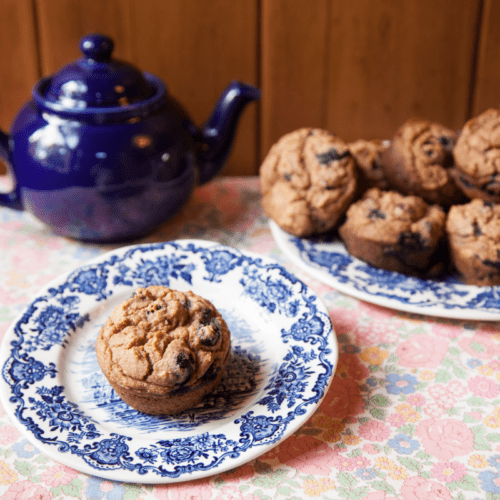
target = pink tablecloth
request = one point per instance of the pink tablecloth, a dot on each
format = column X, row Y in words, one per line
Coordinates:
column 413, row 411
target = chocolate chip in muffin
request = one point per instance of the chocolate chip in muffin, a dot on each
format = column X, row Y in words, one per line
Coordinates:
column 412, row 242
column 495, row 264
column 308, row 179
column 331, row 155
column 157, row 346
column 375, row 213
column 446, row 142
column 477, row 157
column 405, row 239
column 210, row 339
column 473, row 233
column 209, row 334
column 493, row 186
column 182, row 366
column 368, row 156
column 419, row 162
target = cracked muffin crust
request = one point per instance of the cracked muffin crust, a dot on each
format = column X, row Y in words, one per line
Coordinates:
column 308, row 180
column 368, row 156
column 477, row 157
column 163, row 350
column 394, row 232
column 418, row 162
column 473, row 232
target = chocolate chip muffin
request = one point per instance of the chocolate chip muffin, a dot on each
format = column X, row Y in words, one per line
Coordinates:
column 477, row 157
column 419, row 160
column 473, row 232
column 395, row 232
column 308, row 180
column 368, row 156
column 163, row 350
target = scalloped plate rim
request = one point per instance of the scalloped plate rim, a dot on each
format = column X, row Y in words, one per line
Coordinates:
column 249, row 454
column 282, row 239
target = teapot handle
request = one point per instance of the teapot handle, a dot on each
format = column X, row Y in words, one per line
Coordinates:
column 11, row 199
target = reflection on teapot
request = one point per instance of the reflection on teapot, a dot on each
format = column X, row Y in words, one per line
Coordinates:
column 53, row 144
column 102, row 152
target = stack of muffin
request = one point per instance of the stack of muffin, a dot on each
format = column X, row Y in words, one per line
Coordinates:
column 423, row 203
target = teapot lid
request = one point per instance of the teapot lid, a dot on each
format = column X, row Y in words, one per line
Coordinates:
column 96, row 83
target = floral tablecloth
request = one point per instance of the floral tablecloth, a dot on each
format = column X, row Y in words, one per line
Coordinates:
column 413, row 411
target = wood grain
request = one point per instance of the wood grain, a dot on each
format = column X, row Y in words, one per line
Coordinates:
column 361, row 68
column 390, row 61
column 487, row 77
column 19, row 62
column 196, row 47
column 294, row 70
column 358, row 68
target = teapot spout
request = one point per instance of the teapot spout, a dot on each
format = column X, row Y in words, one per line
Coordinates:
column 219, row 130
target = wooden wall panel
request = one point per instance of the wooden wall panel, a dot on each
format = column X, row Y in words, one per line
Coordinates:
column 358, row 68
column 381, row 63
column 293, row 72
column 19, row 69
column 200, row 48
column 397, row 60
column 196, row 47
column 487, row 77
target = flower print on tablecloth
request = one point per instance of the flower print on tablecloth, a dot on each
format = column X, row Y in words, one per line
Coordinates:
column 421, row 417
column 24, row 449
column 449, row 471
column 343, row 400
column 58, row 475
column 8, row 434
column 397, row 384
column 401, row 380
column 26, row 490
column 99, row 489
column 404, row 444
column 308, row 455
column 480, row 346
column 421, row 488
column 421, row 351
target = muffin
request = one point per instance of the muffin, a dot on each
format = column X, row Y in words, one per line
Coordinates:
column 395, row 232
column 477, row 157
column 473, row 233
column 163, row 350
column 308, row 180
column 418, row 162
column 368, row 156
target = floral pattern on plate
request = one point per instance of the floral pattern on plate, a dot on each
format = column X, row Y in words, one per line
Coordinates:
column 326, row 259
column 283, row 358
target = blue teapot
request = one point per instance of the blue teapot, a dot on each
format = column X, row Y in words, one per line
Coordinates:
column 103, row 153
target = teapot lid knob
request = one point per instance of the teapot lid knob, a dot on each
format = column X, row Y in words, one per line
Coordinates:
column 98, row 86
column 96, row 47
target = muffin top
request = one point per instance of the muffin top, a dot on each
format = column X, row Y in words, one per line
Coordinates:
column 476, row 224
column 477, row 152
column 308, row 180
column 384, row 216
column 419, row 160
column 368, row 156
column 162, row 339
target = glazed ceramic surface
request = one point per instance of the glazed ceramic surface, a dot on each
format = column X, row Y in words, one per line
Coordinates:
column 102, row 152
column 329, row 261
column 284, row 354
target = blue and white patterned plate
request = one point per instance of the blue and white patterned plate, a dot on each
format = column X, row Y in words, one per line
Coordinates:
column 326, row 259
column 283, row 357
